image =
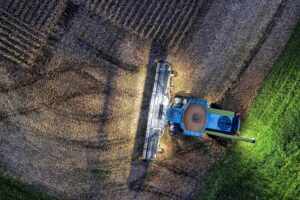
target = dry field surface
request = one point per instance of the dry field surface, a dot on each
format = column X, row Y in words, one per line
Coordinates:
column 76, row 78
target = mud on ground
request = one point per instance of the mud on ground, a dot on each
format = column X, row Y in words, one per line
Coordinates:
column 76, row 80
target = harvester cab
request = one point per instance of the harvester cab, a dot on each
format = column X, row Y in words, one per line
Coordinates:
column 184, row 115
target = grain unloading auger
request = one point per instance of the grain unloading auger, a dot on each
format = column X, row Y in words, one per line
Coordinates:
column 184, row 115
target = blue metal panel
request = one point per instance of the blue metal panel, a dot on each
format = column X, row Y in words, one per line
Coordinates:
column 191, row 133
column 213, row 123
column 175, row 115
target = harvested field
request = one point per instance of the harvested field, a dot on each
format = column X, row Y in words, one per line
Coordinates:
column 19, row 42
column 167, row 21
column 41, row 13
column 267, row 170
column 76, row 79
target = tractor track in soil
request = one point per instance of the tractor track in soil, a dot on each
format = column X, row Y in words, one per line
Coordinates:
column 73, row 111
column 255, row 51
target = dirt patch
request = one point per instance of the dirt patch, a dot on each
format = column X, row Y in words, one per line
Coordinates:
column 73, row 121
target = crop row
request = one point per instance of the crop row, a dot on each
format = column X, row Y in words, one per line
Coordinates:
column 167, row 21
column 19, row 42
column 38, row 13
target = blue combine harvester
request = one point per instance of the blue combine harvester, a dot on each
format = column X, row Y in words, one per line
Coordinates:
column 184, row 115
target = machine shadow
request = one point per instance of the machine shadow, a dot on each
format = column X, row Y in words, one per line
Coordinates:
column 139, row 167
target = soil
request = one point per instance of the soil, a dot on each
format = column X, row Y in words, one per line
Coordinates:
column 76, row 79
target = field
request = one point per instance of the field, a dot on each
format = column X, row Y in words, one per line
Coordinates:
column 270, row 168
column 10, row 188
column 76, row 78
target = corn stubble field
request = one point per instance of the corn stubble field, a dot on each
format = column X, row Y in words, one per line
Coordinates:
column 76, row 79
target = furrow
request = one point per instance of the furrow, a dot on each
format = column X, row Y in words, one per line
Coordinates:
column 7, row 4
column 47, row 13
column 133, row 12
column 173, row 38
column 146, row 15
column 138, row 14
column 41, row 14
column 15, row 47
column 54, row 16
column 122, row 15
column 26, row 40
column 11, row 54
column 185, row 26
column 119, row 10
column 20, row 30
column 19, row 42
column 6, row 34
column 151, row 18
column 12, row 5
column 10, row 57
column 98, row 6
column 157, row 20
column 114, row 8
column 107, row 6
column 21, row 25
column 29, row 16
column 92, row 4
column 25, row 9
column 175, row 18
column 20, row 7
column 164, row 21
column 176, row 26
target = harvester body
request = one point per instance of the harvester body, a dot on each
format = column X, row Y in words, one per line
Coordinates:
column 184, row 115
column 193, row 117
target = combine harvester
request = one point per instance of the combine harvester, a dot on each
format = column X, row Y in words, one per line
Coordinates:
column 186, row 116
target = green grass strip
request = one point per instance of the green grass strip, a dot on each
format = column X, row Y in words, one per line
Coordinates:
column 269, row 169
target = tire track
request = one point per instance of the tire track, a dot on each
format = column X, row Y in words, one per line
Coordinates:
column 256, row 49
